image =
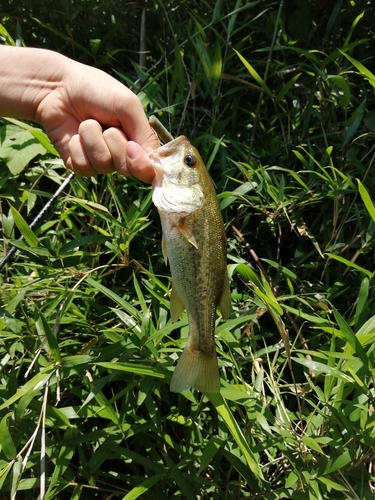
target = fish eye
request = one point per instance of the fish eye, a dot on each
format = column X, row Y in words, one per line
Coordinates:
column 190, row 160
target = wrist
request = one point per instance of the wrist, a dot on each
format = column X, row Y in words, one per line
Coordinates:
column 28, row 75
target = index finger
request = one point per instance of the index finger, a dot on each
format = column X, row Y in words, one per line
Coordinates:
column 135, row 125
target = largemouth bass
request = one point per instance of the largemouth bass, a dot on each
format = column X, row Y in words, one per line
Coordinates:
column 194, row 242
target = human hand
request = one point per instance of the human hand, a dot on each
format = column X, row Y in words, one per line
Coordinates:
column 97, row 124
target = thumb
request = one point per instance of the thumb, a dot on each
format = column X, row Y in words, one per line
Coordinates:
column 139, row 163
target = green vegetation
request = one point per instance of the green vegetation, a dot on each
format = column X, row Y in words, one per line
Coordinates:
column 87, row 347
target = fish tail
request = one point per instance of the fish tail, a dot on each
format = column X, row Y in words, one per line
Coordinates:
column 198, row 370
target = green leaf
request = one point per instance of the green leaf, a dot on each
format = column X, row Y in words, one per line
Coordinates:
column 318, row 367
column 368, row 327
column 116, row 298
column 18, row 147
column 177, row 475
column 5, row 34
column 39, row 135
column 64, row 457
column 343, row 85
column 366, row 199
column 361, row 310
column 285, row 88
column 310, row 442
column 223, row 410
column 76, row 494
column 35, row 251
column 178, row 69
column 91, row 206
column 369, row 121
column 218, row 143
column 134, row 368
column 143, row 487
column 352, row 28
column 210, row 450
column 45, row 332
column 217, row 63
column 229, row 197
column 255, row 74
column 4, row 470
column 338, row 463
column 140, row 295
column 350, row 264
column 247, row 274
column 6, row 442
column 234, row 13
column 36, row 383
column 16, row 300
column 84, row 240
column 201, row 49
column 361, row 68
column 354, row 122
column 331, row 484
column 293, row 174
column 352, row 339
column 94, row 45
column 25, row 230
column 16, row 476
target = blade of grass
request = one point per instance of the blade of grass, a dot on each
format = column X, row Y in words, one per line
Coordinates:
column 224, row 411
column 24, row 228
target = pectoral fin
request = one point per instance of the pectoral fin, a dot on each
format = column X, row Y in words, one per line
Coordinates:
column 164, row 248
column 187, row 233
column 225, row 302
column 177, row 306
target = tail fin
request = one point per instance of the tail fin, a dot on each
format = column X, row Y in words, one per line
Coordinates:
column 196, row 370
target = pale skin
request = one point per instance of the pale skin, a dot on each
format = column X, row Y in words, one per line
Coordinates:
column 97, row 125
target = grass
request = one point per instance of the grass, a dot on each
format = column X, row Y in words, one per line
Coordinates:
column 87, row 348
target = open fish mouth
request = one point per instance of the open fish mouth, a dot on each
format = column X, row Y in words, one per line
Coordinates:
column 159, row 172
column 168, row 149
column 166, row 155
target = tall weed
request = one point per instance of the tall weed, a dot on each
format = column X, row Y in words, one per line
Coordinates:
column 278, row 99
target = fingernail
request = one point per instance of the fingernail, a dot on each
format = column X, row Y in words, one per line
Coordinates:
column 132, row 150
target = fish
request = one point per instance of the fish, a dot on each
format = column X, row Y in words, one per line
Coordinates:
column 194, row 243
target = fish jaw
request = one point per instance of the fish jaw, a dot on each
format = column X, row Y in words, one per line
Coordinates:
column 170, row 153
column 168, row 199
column 176, row 188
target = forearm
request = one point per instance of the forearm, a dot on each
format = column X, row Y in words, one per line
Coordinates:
column 27, row 75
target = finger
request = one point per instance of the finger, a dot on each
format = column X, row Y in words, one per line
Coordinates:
column 116, row 142
column 152, row 141
column 128, row 157
column 95, row 146
column 78, row 161
column 139, row 163
column 134, row 121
